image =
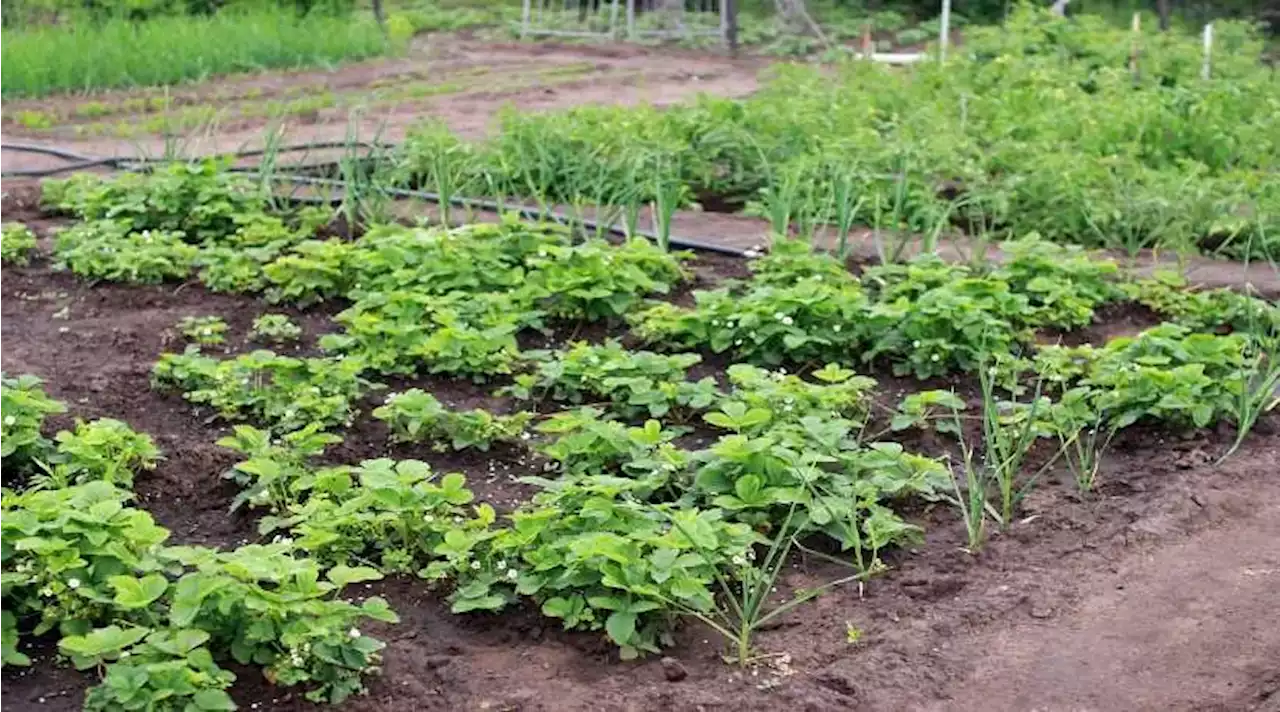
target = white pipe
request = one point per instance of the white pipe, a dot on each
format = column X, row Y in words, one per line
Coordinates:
column 1205, row 69
column 944, row 30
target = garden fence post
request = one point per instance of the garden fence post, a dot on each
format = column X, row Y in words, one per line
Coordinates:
column 1133, row 49
column 631, row 19
column 1206, row 68
column 944, row 30
column 524, row 24
column 729, row 21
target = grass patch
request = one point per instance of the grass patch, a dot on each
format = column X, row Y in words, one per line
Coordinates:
column 163, row 51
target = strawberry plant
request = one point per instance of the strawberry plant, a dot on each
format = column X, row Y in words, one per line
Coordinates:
column 311, row 271
column 931, row 330
column 585, row 443
column 1063, row 285
column 594, row 554
column 1205, row 310
column 280, row 392
column 204, row 330
column 633, row 383
column 416, row 416
column 167, row 671
column 267, row 607
column 199, row 200
column 596, row 280
column 929, row 410
column 107, row 250
column 24, row 406
column 275, row 328
column 17, row 242
column 401, row 332
column 810, row 320
column 817, row 468
column 279, row 472
column 104, row 449
column 62, row 551
column 786, row 397
column 395, row 514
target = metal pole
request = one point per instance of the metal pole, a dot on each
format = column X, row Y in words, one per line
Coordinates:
column 944, row 30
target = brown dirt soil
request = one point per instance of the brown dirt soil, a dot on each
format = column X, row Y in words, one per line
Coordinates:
column 459, row 81
column 1157, row 593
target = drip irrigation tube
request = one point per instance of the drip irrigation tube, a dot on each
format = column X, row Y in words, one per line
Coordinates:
column 134, row 164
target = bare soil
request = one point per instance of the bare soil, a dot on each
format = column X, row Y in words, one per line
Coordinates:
column 463, row 82
column 1157, row 593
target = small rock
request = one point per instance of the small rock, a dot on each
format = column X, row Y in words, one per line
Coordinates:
column 1041, row 611
column 673, row 670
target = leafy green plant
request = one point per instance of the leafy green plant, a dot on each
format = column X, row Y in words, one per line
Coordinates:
column 593, row 553
column 107, row 250
column 266, row 606
column 632, row 383
column 788, row 398
column 415, row 415
column 167, row 670
column 24, row 406
column 17, row 242
column 279, row 472
column 744, row 606
column 63, row 547
column 586, row 443
column 394, row 513
column 1062, row 283
column 275, row 328
column 596, row 280
column 1259, row 395
column 204, row 330
column 310, row 272
column 281, row 392
column 929, row 410
column 105, row 449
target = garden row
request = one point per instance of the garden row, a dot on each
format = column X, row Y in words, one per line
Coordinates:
column 662, row 497
column 1045, row 124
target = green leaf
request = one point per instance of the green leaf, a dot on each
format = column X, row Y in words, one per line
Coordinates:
column 621, row 626
column 213, row 701
column 341, row 575
column 132, row 593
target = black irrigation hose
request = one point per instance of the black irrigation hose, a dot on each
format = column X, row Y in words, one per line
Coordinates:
column 524, row 212
column 135, row 164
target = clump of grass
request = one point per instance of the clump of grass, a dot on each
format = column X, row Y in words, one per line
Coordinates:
column 167, row 50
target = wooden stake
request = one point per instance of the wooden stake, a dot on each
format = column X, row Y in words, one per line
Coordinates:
column 867, row 46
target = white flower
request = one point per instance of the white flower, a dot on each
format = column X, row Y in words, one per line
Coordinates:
column 428, row 518
column 915, row 344
column 992, row 371
column 525, row 435
column 787, row 321
column 353, row 633
column 10, row 420
column 739, row 561
column 738, row 342
column 836, row 328
column 475, row 565
column 73, row 583
column 782, row 372
column 778, row 315
column 935, row 357
column 502, row 566
column 513, row 574
column 46, row 592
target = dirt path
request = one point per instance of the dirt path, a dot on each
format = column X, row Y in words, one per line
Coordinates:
column 1191, row 626
column 464, row 83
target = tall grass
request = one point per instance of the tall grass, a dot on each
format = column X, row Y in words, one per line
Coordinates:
column 168, row 50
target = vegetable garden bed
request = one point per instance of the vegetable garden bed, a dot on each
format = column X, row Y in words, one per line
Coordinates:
column 634, row 428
